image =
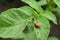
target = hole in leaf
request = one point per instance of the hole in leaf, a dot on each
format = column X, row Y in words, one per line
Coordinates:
column 37, row 0
column 25, row 30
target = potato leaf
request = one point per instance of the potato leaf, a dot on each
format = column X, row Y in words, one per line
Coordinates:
column 34, row 5
column 42, row 2
column 53, row 38
column 50, row 16
column 13, row 22
column 42, row 32
column 38, row 33
column 57, row 2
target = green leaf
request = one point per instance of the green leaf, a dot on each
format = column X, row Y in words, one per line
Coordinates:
column 14, row 16
column 13, row 32
column 30, row 32
column 50, row 16
column 42, row 32
column 38, row 33
column 34, row 5
column 57, row 2
column 53, row 38
column 30, row 36
column 13, row 22
column 57, row 12
column 42, row 2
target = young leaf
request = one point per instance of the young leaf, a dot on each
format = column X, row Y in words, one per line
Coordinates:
column 50, row 16
column 57, row 2
column 34, row 5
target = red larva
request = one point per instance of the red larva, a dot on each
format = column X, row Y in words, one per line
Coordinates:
column 37, row 25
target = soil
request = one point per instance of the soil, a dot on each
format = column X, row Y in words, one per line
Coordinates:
column 55, row 29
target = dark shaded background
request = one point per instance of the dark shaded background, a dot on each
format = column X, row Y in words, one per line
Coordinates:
column 55, row 29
